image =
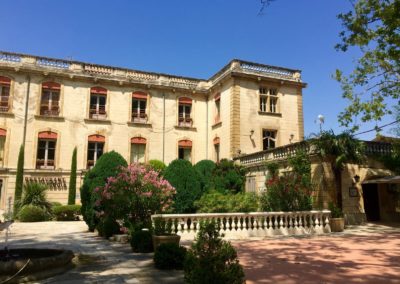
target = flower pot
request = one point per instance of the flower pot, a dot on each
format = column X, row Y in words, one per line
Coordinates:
column 337, row 224
column 157, row 240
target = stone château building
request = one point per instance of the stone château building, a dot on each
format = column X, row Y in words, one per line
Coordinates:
column 52, row 105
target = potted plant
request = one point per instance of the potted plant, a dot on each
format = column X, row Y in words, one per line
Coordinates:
column 163, row 232
column 336, row 221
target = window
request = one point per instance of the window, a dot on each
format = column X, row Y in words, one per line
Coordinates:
column 185, row 109
column 138, row 150
column 268, row 100
column 251, row 184
column 98, row 99
column 217, row 149
column 3, row 134
column 217, row 100
column 5, row 84
column 185, row 150
column 49, row 104
column 46, row 150
column 95, row 149
column 139, row 104
column 269, row 139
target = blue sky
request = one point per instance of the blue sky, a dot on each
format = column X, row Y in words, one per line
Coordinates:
column 192, row 38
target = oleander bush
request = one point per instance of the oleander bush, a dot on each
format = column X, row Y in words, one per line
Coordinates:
column 107, row 227
column 32, row 213
column 66, row 212
column 185, row 179
column 108, row 165
column 211, row 259
column 169, row 256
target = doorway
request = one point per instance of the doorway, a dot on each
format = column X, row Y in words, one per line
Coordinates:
column 371, row 201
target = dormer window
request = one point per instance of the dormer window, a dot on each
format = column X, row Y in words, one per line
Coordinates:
column 139, row 105
column 5, row 84
column 50, row 100
column 98, row 100
column 184, row 112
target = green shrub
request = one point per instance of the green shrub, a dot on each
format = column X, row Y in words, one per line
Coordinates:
column 141, row 241
column 157, row 165
column 55, row 203
column 336, row 212
column 217, row 202
column 169, row 256
column 182, row 176
column 72, row 179
column 108, row 227
column 35, row 194
column 19, row 180
column 229, row 177
column 162, row 227
column 205, row 170
column 107, row 165
column 32, row 213
column 66, row 212
column 211, row 259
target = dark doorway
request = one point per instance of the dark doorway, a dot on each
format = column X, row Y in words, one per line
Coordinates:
column 371, row 201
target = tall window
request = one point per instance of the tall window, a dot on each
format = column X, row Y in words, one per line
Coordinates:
column 217, row 100
column 5, row 84
column 50, row 100
column 269, row 139
column 185, row 110
column 185, row 150
column 95, row 149
column 98, row 99
column 268, row 100
column 139, row 104
column 46, row 150
column 3, row 134
column 217, row 149
column 138, row 150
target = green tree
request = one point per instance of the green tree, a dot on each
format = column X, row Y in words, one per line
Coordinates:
column 229, row 177
column 205, row 170
column 19, row 182
column 372, row 26
column 72, row 180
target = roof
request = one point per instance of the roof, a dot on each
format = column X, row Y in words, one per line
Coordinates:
column 388, row 179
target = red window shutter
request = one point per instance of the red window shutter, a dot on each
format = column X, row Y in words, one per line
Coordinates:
column 185, row 143
column 139, row 95
column 47, row 135
column 216, row 140
column 138, row 140
column 98, row 91
column 51, row 86
column 217, row 97
column 96, row 138
column 3, row 132
column 186, row 101
column 5, row 81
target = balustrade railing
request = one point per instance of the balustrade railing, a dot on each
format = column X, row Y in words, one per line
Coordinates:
column 378, row 148
column 255, row 224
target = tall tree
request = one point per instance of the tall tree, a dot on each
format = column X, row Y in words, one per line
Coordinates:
column 19, row 181
column 72, row 179
column 374, row 85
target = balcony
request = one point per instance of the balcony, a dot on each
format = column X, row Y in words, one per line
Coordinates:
column 185, row 122
column 97, row 112
column 49, row 109
column 139, row 117
column 43, row 164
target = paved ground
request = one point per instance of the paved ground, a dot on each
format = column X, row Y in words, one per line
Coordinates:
column 98, row 260
column 366, row 254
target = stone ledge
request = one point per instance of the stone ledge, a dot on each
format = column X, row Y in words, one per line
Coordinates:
column 139, row 124
column 100, row 121
column 49, row 117
column 185, row 128
column 270, row 113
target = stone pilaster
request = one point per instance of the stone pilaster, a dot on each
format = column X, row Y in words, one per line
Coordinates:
column 234, row 119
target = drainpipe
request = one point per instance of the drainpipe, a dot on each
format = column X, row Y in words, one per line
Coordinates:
column 206, row 127
column 163, row 146
column 26, row 110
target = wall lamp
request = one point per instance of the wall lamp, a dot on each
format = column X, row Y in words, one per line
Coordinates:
column 251, row 132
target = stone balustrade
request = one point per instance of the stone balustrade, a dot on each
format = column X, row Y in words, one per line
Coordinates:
column 254, row 224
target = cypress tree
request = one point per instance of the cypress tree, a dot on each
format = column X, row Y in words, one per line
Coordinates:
column 19, row 182
column 72, row 180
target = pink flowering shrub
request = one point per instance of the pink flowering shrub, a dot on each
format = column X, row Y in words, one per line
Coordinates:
column 133, row 196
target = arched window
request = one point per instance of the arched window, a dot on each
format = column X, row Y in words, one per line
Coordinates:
column 138, row 150
column 5, row 84
column 184, row 112
column 185, row 150
column 50, row 100
column 269, row 139
column 98, row 100
column 95, row 149
column 46, row 150
column 139, row 105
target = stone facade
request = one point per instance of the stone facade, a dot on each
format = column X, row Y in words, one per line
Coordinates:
column 96, row 104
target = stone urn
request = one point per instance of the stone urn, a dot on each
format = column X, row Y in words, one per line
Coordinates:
column 165, row 239
column 337, row 224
